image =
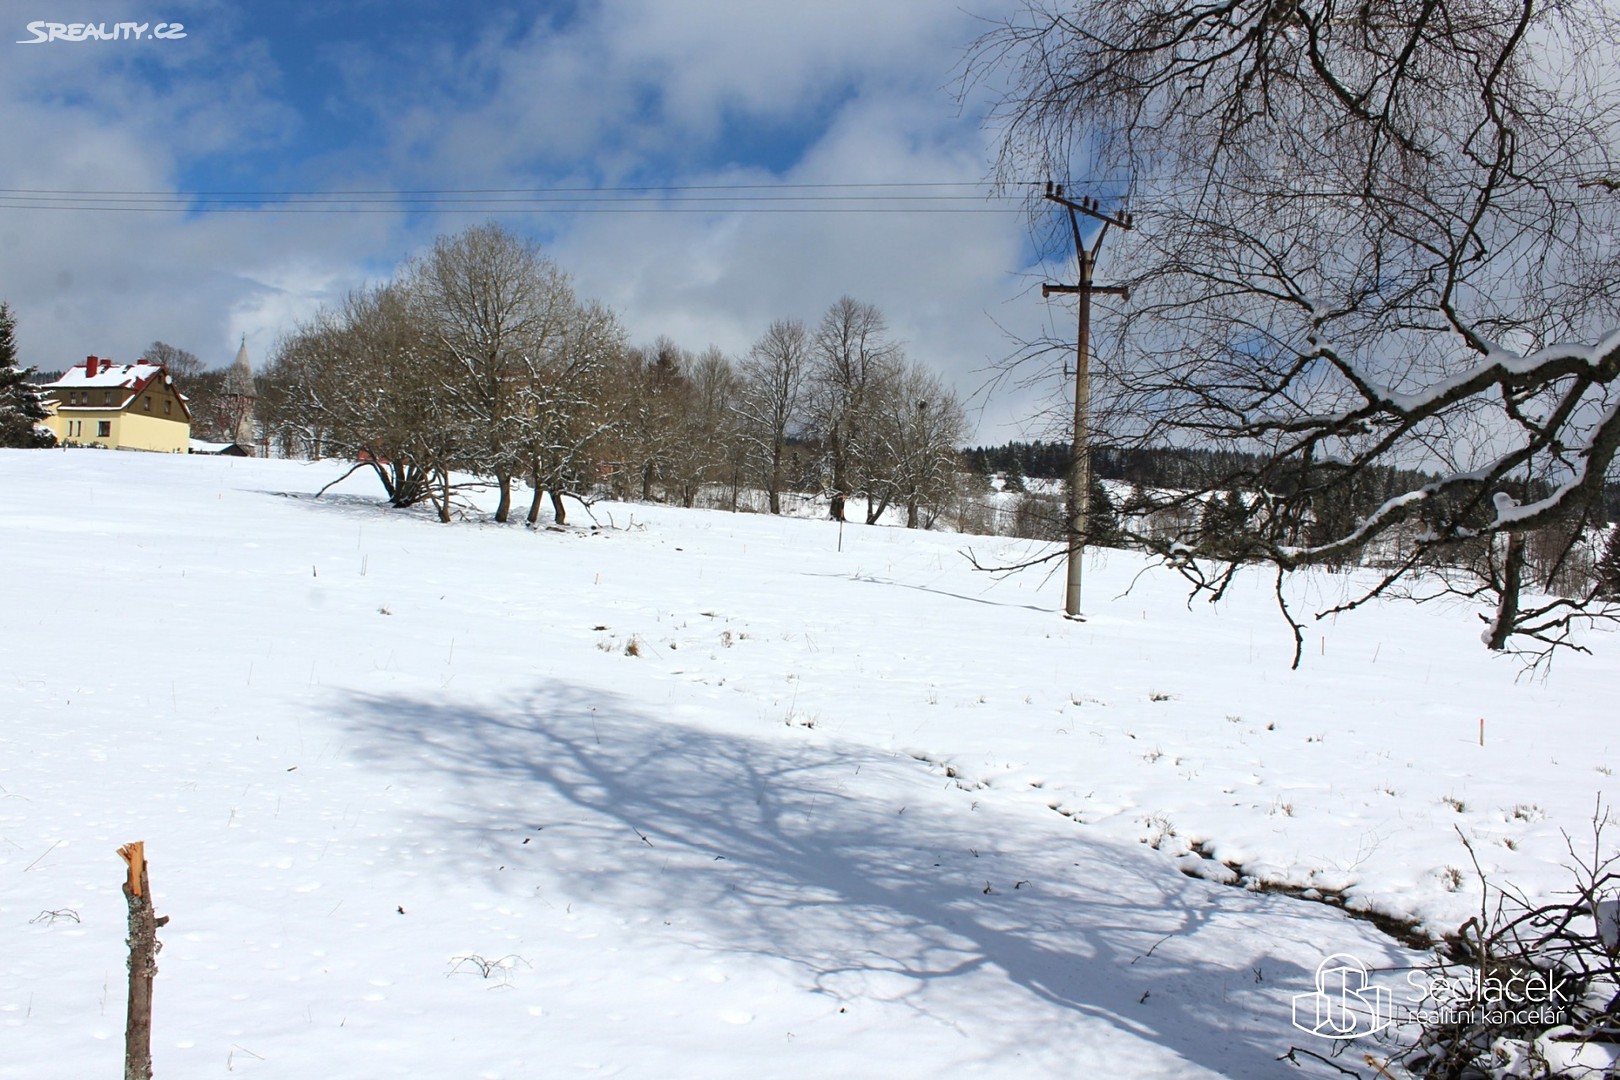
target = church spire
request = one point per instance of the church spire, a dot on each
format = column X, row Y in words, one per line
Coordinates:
column 239, row 398
column 239, row 379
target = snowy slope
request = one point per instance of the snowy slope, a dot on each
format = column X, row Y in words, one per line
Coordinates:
column 858, row 813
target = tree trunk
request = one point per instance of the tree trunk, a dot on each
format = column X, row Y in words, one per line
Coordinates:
column 559, row 513
column 875, row 512
column 534, row 503
column 382, row 475
column 1507, row 608
column 911, row 512
column 442, row 501
column 776, row 479
column 840, row 477
column 503, row 509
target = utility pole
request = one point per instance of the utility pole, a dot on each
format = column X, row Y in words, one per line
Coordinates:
column 1080, row 448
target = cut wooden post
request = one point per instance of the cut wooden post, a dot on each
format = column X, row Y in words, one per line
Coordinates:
column 143, row 950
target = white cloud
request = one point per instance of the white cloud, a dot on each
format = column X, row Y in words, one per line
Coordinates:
column 688, row 90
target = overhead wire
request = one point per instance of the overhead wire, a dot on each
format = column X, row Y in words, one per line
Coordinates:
column 880, row 197
column 935, row 197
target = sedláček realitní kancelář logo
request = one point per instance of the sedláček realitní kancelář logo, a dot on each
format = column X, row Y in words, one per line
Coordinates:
column 1348, row 1004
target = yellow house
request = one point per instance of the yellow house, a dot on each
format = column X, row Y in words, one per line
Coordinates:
column 122, row 406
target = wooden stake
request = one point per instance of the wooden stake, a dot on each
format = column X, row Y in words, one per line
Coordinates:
column 1482, row 731
column 134, row 856
column 143, row 949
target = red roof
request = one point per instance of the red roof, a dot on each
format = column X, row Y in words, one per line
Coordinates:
column 100, row 373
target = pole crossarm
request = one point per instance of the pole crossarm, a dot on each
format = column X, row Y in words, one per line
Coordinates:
column 1121, row 291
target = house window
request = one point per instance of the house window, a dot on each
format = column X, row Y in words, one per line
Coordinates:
column 73, row 427
column 166, row 408
column 106, row 397
column 103, row 429
column 73, row 397
column 146, row 403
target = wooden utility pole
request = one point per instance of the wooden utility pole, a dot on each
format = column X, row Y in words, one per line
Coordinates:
column 1080, row 446
column 143, row 950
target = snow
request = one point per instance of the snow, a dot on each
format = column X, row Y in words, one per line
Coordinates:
column 416, row 807
column 110, row 375
column 1498, row 365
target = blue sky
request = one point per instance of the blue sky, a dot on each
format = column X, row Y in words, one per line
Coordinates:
column 455, row 102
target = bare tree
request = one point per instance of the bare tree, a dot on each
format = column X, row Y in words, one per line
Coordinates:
column 851, row 353
column 918, row 427
column 706, row 436
column 771, row 400
column 653, row 391
column 477, row 359
column 498, row 309
column 569, row 418
column 215, row 414
column 365, row 378
column 1366, row 233
column 176, row 361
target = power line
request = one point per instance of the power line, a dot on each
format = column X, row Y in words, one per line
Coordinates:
column 885, row 197
column 455, row 209
column 518, row 200
column 597, row 190
column 932, row 197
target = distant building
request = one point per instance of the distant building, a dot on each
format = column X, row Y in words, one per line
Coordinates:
column 120, row 406
column 240, row 400
column 220, row 449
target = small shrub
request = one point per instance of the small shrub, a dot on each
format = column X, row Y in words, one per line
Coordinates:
column 1524, row 988
column 472, row 963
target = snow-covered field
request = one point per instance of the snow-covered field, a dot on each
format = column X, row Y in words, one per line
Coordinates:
column 702, row 796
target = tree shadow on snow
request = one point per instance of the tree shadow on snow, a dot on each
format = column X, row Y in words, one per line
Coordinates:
column 809, row 853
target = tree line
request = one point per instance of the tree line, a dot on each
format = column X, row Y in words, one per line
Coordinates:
column 1191, row 469
column 1187, row 497
column 478, row 358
